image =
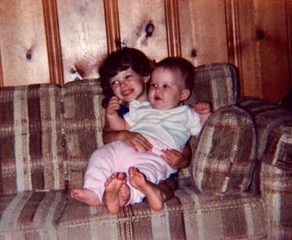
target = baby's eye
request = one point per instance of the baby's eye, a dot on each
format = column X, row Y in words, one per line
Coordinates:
column 165, row 86
column 153, row 85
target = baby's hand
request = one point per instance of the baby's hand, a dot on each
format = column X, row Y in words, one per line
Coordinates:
column 202, row 108
column 113, row 106
column 172, row 157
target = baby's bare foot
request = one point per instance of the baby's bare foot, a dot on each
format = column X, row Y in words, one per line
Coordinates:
column 85, row 195
column 113, row 186
column 153, row 195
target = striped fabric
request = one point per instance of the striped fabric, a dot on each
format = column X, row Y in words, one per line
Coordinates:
column 54, row 215
column 31, row 156
column 267, row 117
column 224, row 159
column 83, row 124
column 275, row 155
column 47, row 134
column 216, row 83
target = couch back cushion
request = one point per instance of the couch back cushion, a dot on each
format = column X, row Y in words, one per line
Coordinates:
column 216, row 83
column 83, row 124
column 224, row 158
column 31, row 153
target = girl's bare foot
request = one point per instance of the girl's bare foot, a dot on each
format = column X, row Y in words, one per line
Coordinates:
column 85, row 195
column 111, row 196
column 124, row 195
column 153, row 195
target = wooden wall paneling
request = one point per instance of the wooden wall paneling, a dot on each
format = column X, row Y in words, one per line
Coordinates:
column 249, row 69
column 112, row 25
column 83, row 37
column 172, row 27
column 22, row 42
column 53, row 42
column 142, row 26
column 271, row 35
column 1, row 72
column 289, row 36
column 233, row 32
column 203, row 31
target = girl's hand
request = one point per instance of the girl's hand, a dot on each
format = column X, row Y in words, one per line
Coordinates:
column 174, row 158
column 202, row 108
column 135, row 140
column 113, row 106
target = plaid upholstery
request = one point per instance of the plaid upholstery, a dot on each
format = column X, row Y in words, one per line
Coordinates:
column 31, row 155
column 47, row 134
column 54, row 215
column 274, row 127
column 216, row 83
column 83, row 124
column 224, row 159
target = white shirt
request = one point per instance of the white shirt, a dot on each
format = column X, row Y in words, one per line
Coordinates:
column 173, row 127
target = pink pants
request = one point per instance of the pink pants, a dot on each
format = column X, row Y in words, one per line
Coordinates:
column 119, row 157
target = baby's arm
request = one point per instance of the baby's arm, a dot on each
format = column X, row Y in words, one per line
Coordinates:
column 204, row 111
column 177, row 159
column 114, row 121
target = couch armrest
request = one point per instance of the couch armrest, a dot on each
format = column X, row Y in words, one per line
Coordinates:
column 274, row 129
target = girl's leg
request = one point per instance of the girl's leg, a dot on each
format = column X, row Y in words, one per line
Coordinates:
column 85, row 195
column 116, row 193
column 153, row 194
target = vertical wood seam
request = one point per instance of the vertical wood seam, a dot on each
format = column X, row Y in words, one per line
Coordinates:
column 233, row 34
column 289, row 40
column 1, row 71
column 172, row 27
column 53, row 42
column 112, row 25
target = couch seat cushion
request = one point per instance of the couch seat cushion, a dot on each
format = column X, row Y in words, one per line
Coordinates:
column 190, row 215
column 31, row 215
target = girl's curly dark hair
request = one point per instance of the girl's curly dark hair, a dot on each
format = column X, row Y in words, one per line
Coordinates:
column 118, row 61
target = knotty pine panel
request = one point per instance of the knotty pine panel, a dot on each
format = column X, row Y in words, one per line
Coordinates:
column 83, row 37
column 23, row 49
column 135, row 17
column 271, row 34
column 264, row 44
column 203, row 31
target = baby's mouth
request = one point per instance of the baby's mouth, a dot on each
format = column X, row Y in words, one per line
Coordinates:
column 157, row 98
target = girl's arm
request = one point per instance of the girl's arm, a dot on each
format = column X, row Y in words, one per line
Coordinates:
column 116, row 128
column 113, row 120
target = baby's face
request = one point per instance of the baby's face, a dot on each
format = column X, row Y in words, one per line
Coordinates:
column 128, row 85
column 167, row 89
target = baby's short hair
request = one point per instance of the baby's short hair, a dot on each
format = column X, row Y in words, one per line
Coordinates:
column 183, row 66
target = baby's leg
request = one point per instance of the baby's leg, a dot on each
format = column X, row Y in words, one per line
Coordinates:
column 85, row 195
column 154, row 196
column 116, row 193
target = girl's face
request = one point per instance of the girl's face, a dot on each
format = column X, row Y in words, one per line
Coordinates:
column 167, row 89
column 128, row 85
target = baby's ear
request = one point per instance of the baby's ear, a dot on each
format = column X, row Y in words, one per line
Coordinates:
column 185, row 93
column 146, row 78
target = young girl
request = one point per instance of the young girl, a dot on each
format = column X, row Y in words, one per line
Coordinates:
column 164, row 94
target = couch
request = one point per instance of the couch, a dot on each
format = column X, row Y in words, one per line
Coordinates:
column 238, row 186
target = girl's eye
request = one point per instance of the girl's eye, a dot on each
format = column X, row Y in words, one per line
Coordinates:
column 113, row 83
column 129, row 77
